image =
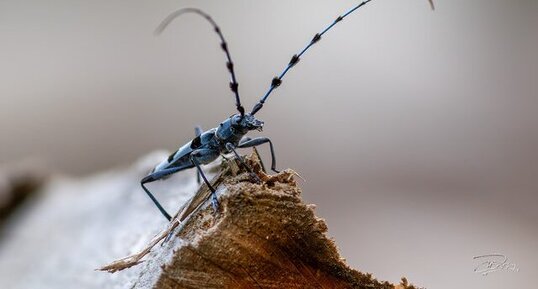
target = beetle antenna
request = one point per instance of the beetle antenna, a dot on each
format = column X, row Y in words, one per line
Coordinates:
column 223, row 44
column 277, row 80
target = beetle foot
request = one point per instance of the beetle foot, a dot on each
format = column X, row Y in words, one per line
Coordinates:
column 255, row 178
column 171, row 231
column 214, row 202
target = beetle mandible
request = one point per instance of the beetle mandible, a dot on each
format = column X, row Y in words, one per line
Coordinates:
column 231, row 133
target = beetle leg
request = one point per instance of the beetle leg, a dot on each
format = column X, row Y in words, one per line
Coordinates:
column 231, row 148
column 259, row 141
column 206, row 154
column 246, row 139
column 157, row 175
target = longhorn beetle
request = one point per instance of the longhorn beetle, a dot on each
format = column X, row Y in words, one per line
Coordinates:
column 230, row 134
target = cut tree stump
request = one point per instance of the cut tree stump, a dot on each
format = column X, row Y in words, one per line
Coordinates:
column 262, row 236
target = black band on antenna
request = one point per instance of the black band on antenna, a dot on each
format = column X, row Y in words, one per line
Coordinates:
column 223, row 45
column 277, row 80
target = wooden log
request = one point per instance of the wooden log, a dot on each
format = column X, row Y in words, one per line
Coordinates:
column 263, row 236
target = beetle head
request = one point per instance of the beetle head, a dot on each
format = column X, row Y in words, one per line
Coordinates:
column 246, row 122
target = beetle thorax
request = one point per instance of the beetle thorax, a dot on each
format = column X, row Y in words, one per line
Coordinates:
column 235, row 127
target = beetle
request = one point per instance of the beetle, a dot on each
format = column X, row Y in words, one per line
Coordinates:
column 231, row 133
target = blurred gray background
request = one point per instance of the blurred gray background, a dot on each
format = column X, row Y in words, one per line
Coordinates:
column 415, row 130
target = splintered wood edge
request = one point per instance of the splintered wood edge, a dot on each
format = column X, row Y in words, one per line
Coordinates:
column 227, row 168
column 262, row 236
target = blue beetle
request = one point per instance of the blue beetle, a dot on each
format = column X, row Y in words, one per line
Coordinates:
column 230, row 134
column 206, row 147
